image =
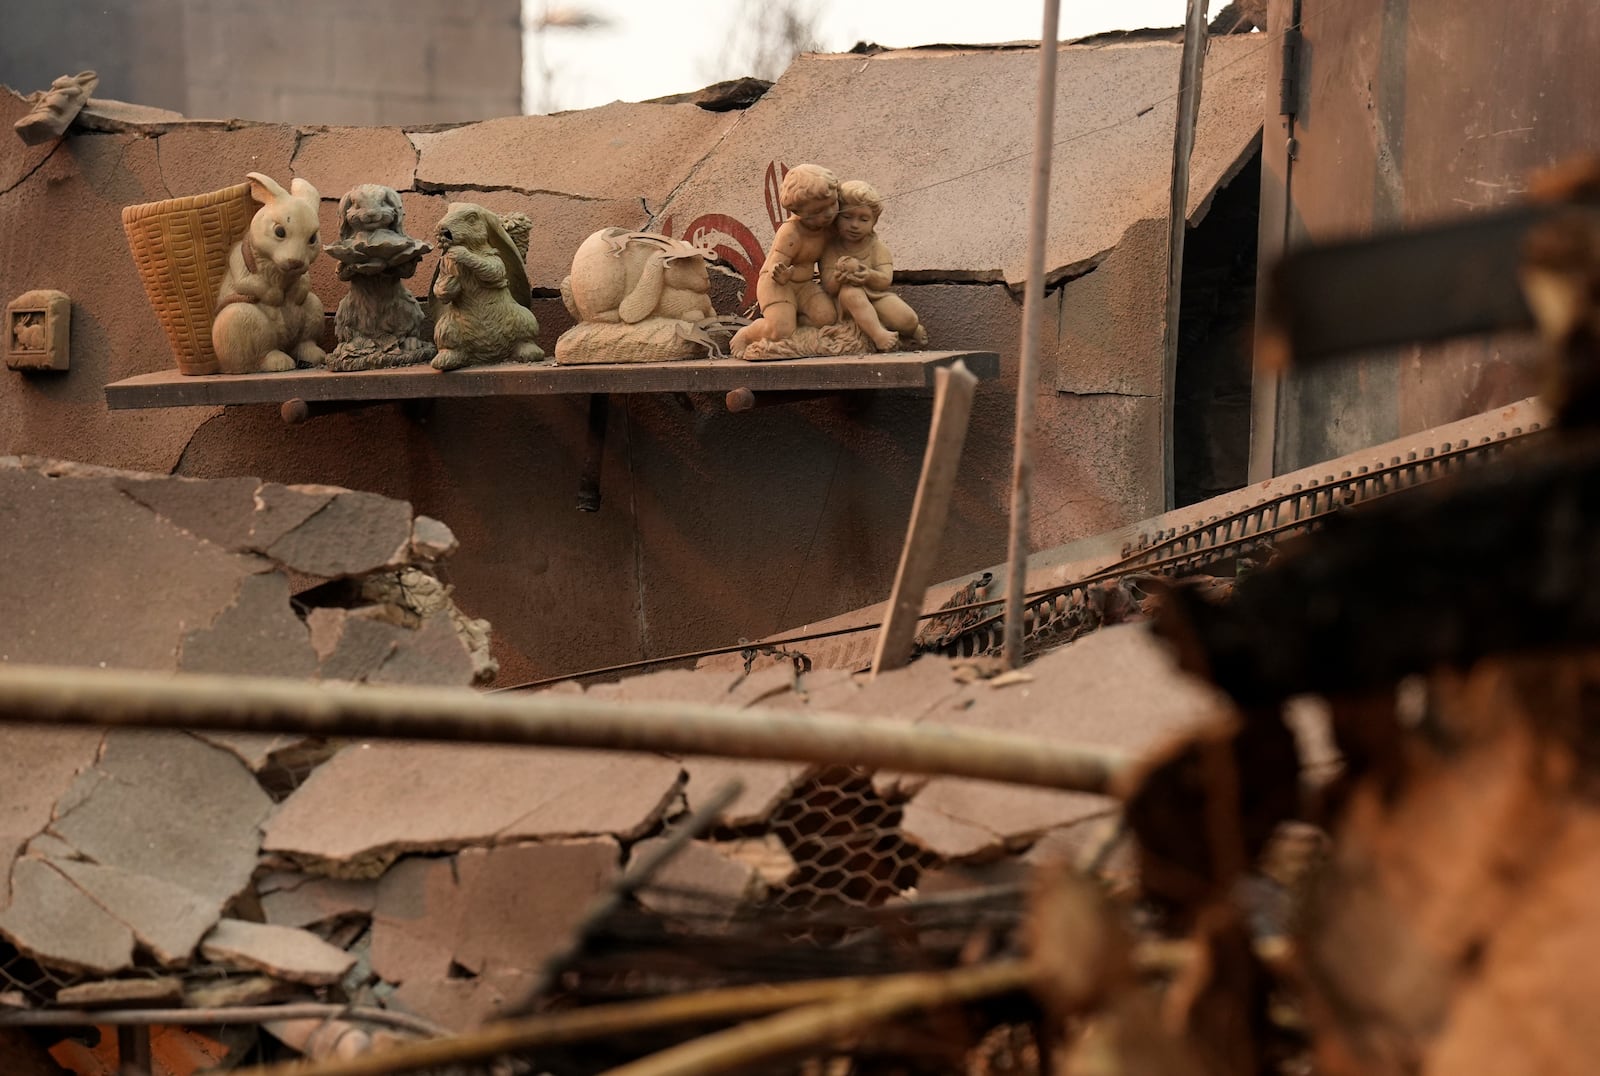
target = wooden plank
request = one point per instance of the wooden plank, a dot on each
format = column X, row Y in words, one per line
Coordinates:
column 952, row 408
column 914, row 369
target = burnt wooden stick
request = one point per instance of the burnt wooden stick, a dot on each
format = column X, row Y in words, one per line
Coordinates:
column 952, row 408
column 1499, row 562
column 601, row 1022
column 46, row 695
column 828, row 1022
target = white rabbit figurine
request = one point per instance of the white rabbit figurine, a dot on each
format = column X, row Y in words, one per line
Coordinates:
column 266, row 315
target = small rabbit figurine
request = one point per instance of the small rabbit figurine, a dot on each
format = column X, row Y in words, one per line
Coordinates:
column 266, row 315
column 481, row 292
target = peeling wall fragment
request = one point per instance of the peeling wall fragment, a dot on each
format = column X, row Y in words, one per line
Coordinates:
column 158, row 572
column 282, row 952
column 373, row 802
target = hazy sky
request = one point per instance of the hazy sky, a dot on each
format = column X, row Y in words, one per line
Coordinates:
column 656, row 47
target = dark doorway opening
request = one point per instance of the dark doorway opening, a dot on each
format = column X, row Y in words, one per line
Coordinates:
column 1216, row 327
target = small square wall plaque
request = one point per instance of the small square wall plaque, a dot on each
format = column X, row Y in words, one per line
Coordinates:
column 37, row 323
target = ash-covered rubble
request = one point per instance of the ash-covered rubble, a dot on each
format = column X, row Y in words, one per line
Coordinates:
column 439, row 880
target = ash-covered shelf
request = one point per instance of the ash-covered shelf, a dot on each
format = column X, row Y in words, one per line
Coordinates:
column 895, row 370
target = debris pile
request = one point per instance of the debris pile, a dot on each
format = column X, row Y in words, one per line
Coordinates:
column 439, row 881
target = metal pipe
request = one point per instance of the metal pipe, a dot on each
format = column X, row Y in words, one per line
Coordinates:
column 1032, row 330
column 1191, row 69
column 125, row 699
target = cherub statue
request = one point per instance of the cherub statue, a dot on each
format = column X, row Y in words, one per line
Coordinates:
column 858, row 269
column 786, row 288
column 481, row 291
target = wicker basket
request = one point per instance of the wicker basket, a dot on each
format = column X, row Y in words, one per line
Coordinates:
column 181, row 249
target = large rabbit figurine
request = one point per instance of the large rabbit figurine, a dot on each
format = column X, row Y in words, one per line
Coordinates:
column 638, row 297
column 267, row 318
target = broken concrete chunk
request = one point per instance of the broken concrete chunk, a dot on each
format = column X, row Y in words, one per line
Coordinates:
column 122, row 994
column 52, row 921
column 948, row 836
column 37, row 766
column 240, row 990
column 280, row 509
column 258, row 635
column 326, row 627
column 159, row 835
column 356, row 646
column 254, row 749
column 372, row 802
column 297, row 900
column 435, row 653
column 764, row 785
column 120, row 583
column 418, row 594
column 282, row 952
column 172, row 808
column 351, row 534
column 1124, row 692
column 700, row 879
column 219, row 510
column 431, row 539
column 166, row 919
column 461, row 938
column 498, row 886
column 415, row 919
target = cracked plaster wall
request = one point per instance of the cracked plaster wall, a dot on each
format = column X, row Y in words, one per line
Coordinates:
column 714, row 526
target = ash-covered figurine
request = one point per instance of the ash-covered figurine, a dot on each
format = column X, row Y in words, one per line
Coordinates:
column 481, row 294
column 379, row 323
column 857, row 269
column 55, row 109
column 639, row 297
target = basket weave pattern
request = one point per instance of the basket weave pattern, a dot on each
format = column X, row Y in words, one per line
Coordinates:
column 180, row 247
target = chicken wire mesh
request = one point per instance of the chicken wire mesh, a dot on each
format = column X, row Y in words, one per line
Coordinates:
column 844, row 837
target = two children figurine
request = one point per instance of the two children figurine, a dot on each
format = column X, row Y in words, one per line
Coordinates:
column 830, row 234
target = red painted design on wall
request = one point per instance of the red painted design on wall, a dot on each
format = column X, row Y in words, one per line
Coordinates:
column 771, row 188
column 731, row 241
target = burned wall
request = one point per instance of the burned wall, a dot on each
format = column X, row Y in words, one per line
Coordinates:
column 1407, row 113
column 714, row 526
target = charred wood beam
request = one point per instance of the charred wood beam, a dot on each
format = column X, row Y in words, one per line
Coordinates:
column 1504, row 562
